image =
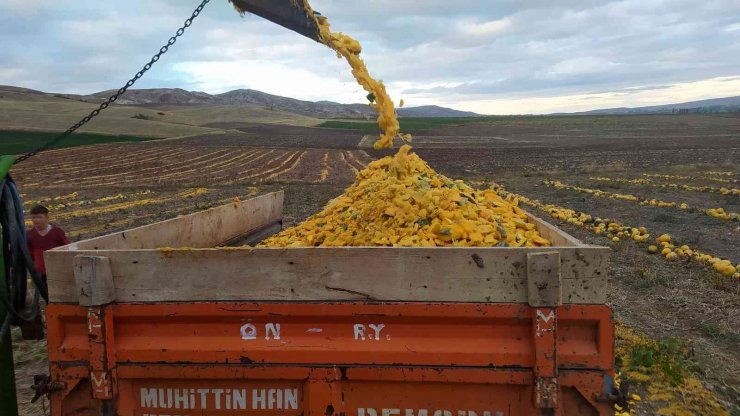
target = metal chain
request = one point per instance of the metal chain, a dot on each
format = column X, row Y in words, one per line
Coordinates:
column 121, row 91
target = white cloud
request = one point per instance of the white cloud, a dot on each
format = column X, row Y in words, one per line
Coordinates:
column 633, row 97
column 272, row 78
column 578, row 66
column 519, row 56
column 735, row 27
column 487, row 29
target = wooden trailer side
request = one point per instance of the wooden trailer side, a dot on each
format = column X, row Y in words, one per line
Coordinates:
column 316, row 274
column 210, row 228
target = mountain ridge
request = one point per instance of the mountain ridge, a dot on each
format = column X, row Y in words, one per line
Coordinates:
column 179, row 96
column 710, row 105
column 330, row 109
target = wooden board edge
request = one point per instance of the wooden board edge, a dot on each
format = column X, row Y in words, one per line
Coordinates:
column 278, row 195
column 549, row 231
column 151, row 276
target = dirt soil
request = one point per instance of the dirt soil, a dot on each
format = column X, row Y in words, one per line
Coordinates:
column 663, row 299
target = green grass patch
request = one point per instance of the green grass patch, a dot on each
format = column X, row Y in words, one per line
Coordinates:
column 574, row 123
column 718, row 334
column 646, row 278
column 670, row 357
column 14, row 142
column 407, row 123
column 141, row 116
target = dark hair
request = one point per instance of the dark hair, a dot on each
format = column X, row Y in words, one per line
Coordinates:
column 39, row 209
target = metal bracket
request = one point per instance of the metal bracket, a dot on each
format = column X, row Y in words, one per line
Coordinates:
column 543, row 280
column 102, row 359
column 43, row 386
column 95, row 289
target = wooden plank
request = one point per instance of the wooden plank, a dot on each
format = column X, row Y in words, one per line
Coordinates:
column 321, row 274
column 543, row 279
column 209, row 228
column 93, row 280
column 557, row 237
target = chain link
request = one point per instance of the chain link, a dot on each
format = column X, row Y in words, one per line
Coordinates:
column 121, row 91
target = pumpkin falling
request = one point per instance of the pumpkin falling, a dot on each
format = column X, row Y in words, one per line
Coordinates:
column 400, row 200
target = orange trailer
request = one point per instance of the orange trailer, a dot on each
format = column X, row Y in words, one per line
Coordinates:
column 135, row 329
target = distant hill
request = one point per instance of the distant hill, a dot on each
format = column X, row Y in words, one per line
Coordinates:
column 22, row 94
column 27, row 109
column 322, row 109
column 434, row 111
column 714, row 105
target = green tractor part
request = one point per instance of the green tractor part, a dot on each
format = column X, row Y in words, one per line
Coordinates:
column 8, row 399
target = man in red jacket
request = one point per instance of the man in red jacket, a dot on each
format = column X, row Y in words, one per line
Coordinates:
column 43, row 236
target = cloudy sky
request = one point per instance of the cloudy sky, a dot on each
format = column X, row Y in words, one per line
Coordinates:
column 495, row 57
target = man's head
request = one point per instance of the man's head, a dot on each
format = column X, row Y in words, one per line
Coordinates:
column 40, row 217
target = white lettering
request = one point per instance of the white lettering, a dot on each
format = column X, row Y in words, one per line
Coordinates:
column 545, row 318
column 268, row 399
column 271, row 398
column 249, row 331
column 148, row 397
column 181, row 401
column 259, row 399
column 377, row 329
column 291, row 399
column 217, row 397
column 274, row 328
column 360, row 334
column 203, row 398
column 162, row 404
column 239, row 399
column 96, row 380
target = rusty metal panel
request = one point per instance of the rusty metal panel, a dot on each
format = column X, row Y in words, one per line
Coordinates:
column 351, row 358
column 334, row 391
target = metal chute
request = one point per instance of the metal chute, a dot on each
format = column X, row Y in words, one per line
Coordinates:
column 291, row 14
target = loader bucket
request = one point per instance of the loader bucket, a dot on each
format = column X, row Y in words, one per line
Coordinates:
column 290, row 14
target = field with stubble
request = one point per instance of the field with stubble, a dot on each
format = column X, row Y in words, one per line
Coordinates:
column 676, row 175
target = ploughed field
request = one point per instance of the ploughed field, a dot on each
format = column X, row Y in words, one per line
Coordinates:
column 676, row 175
